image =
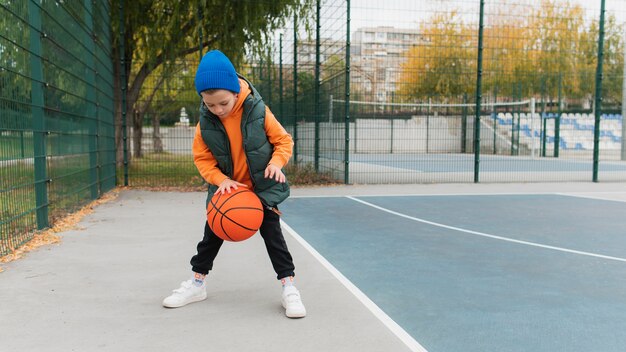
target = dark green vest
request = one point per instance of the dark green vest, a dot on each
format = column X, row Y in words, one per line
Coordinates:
column 257, row 148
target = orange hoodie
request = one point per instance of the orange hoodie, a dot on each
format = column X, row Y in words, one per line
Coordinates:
column 276, row 134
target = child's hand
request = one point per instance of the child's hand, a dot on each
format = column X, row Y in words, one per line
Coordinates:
column 273, row 171
column 227, row 184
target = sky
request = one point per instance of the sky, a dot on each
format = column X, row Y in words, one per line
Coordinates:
column 410, row 12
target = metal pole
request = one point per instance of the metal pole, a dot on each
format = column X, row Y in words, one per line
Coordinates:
column 295, row 89
column 532, row 127
column 557, row 121
column 543, row 135
column 330, row 109
column 513, row 110
column 346, row 177
column 542, row 120
column 123, row 87
column 479, row 75
column 200, row 17
column 464, row 125
column 518, row 126
column 623, row 154
column 495, row 120
column 598, row 102
column 40, row 131
column 280, row 78
column 317, row 88
column 270, row 64
column 428, row 122
column 92, row 112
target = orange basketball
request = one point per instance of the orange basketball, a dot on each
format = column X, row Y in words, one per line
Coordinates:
column 235, row 216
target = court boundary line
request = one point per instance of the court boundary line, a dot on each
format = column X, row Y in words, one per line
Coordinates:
column 396, row 329
column 417, row 195
column 521, row 193
column 482, row 234
column 594, row 198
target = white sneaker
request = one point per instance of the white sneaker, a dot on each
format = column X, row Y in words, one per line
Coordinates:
column 293, row 303
column 185, row 294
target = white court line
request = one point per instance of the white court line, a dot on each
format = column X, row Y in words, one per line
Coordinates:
column 520, row 193
column 422, row 195
column 396, row 329
column 560, row 249
column 578, row 195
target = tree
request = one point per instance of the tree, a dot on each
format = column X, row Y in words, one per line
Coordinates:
column 613, row 64
column 557, row 32
column 536, row 48
column 444, row 64
column 156, row 33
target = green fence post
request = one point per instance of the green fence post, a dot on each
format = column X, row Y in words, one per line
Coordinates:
column 123, row 87
column 513, row 109
column 557, row 122
column 269, row 81
column 346, row 177
column 39, row 119
column 92, row 111
column 391, row 139
column 430, row 102
column 317, row 86
column 495, row 120
column 517, row 124
column 598, row 102
column 22, row 145
column 200, row 38
column 280, row 79
column 295, row 89
column 543, row 117
column 479, row 75
column 464, row 125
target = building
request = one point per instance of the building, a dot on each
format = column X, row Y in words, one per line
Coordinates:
column 377, row 54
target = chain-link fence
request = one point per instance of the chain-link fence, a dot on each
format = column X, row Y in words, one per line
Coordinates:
column 420, row 91
column 304, row 77
column 56, row 112
column 372, row 92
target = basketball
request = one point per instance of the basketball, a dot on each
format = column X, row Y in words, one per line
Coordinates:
column 236, row 216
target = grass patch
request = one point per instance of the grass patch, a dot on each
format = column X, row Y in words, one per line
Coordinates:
column 16, row 145
column 67, row 192
column 164, row 171
column 305, row 175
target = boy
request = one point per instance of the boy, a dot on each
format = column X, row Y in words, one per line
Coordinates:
column 239, row 143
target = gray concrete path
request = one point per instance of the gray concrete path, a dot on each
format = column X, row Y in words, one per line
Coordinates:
column 101, row 289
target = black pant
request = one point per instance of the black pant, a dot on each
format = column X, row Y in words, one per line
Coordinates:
column 274, row 242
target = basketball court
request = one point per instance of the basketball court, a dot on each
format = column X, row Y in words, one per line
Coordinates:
column 460, row 267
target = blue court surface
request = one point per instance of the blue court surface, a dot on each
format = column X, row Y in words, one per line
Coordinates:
column 480, row 272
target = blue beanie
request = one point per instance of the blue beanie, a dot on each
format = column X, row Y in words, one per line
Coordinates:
column 216, row 72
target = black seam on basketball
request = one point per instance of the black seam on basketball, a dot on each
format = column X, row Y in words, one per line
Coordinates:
column 214, row 204
column 224, row 230
column 233, row 196
column 219, row 210
column 235, row 222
